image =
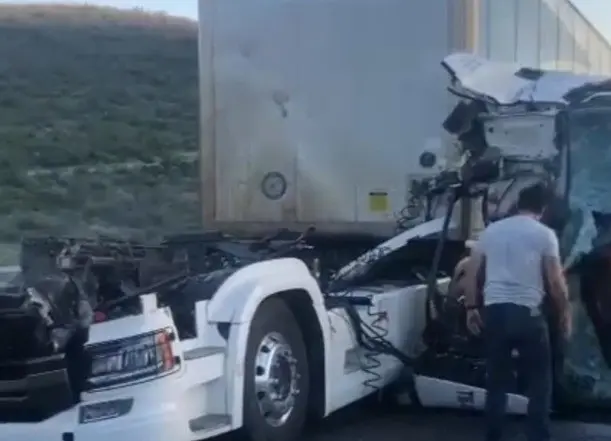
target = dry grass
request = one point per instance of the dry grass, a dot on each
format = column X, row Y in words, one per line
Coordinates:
column 84, row 85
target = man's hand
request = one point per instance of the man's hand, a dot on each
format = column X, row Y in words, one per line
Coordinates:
column 475, row 323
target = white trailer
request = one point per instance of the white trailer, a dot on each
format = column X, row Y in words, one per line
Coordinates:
column 316, row 112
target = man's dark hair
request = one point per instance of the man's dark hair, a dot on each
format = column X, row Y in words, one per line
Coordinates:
column 534, row 198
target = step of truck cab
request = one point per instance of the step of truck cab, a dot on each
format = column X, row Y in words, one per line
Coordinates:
column 210, row 423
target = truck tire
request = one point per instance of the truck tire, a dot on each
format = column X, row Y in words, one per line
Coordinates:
column 276, row 375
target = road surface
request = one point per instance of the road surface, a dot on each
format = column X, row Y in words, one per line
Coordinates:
column 405, row 425
column 444, row 427
column 362, row 423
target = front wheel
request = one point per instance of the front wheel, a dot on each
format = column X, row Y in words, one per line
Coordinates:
column 276, row 375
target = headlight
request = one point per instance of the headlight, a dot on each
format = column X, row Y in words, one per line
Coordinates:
column 131, row 359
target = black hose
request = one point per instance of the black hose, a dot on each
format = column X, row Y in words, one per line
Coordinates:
column 145, row 290
column 431, row 283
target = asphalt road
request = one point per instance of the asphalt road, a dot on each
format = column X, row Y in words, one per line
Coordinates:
column 366, row 424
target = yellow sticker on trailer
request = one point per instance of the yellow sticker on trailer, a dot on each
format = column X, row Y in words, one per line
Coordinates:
column 378, row 202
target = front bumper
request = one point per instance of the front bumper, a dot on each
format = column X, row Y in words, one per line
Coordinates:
column 156, row 411
column 159, row 424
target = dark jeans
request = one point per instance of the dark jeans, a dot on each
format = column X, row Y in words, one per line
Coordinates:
column 508, row 327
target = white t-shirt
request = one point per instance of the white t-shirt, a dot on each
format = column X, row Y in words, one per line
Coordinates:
column 514, row 249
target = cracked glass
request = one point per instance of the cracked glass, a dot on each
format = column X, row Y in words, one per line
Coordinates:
column 587, row 375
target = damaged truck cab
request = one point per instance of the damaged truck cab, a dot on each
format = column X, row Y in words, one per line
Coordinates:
column 528, row 126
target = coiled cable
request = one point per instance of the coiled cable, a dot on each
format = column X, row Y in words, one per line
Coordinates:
column 372, row 354
column 371, row 335
column 408, row 215
column 419, row 202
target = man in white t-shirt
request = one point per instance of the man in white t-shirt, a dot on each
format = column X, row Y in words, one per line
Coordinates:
column 520, row 258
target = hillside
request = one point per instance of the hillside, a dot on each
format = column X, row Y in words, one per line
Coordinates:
column 82, row 86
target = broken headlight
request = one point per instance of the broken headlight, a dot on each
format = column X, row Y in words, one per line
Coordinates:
column 136, row 358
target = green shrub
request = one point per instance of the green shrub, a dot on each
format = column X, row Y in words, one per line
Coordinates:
column 83, row 86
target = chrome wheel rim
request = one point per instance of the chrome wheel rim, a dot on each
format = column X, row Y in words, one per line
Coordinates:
column 275, row 379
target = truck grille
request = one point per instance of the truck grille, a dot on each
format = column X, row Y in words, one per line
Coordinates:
column 23, row 335
column 34, row 383
column 34, row 390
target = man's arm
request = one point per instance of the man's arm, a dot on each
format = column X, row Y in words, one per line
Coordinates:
column 457, row 284
column 553, row 274
column 474, row 267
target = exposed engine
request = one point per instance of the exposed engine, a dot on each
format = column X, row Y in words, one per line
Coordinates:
column 66, row 284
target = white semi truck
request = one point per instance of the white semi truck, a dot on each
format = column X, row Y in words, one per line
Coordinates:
column 311, row 116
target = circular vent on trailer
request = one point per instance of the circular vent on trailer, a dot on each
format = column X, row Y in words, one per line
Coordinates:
column 274, row 185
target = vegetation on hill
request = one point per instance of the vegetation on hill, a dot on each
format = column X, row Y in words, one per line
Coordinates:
column 82, row 86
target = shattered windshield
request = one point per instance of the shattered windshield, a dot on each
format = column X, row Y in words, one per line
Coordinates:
column 587, row 375
column 590, row 192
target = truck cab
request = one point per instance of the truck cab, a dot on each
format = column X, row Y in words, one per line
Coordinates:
column 518, row 126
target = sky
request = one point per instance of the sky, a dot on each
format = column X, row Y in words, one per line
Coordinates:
column 597, row 11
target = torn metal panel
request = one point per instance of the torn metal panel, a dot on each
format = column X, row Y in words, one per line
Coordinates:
column 556, row 127
column 546, row 121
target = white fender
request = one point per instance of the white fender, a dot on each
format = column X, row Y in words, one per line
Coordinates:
column 239, row 296
column 236, row 302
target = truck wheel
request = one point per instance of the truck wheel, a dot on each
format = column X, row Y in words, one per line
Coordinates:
column 276, row 377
